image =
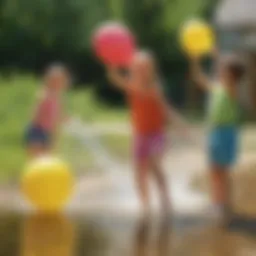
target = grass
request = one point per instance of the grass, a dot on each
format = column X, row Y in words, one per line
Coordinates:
column 83, row 104
column 118, row 145
column 17, row 97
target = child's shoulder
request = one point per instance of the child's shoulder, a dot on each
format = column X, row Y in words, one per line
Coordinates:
column 43, row 97
column 215, row 86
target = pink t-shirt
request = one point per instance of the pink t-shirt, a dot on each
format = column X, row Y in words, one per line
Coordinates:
column 48, row 113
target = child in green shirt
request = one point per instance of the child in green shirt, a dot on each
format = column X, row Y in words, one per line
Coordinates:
column 223, row 117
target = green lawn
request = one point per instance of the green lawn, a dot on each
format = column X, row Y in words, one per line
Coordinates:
column 82, row 103
column 17, row 97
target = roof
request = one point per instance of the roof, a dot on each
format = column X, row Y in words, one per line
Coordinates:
column 236, row 14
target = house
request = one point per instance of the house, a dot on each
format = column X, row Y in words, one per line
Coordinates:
column 235, row 22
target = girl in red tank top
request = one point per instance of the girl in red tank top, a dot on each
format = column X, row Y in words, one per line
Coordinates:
column 149, row 116
column 147, row 112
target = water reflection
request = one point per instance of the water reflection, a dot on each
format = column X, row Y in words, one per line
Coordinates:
column 164, row 238
column 10, row 225
column 92, row 239
column 47, row 235
column 104, row 235
column 203, row 239
column 152, row 239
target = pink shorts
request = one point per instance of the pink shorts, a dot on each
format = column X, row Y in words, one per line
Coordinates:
column 146, row 146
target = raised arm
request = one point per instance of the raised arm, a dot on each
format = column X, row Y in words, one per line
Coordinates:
column 119, row 80
column 198, row 75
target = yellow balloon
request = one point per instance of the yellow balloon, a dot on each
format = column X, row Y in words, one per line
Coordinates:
column 47, row 183
column 197, row 38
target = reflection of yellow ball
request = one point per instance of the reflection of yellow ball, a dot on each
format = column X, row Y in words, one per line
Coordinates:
column 197, row 38
column 47, row 183
column 47, row 235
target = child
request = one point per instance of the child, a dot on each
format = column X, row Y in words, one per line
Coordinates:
column 223, row 117
column 41, row 134
column 149, row 115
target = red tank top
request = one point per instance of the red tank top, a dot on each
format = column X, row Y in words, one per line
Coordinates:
column 147, row 112
column 47, row 114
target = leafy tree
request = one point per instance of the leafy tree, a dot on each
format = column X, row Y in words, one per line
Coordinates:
column 36, row 32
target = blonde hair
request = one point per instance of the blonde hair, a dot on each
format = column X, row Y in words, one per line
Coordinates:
column 149, row 56
column 57, row 68
column 146, row 55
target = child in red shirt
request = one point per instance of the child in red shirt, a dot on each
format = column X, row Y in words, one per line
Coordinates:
column 150, row 115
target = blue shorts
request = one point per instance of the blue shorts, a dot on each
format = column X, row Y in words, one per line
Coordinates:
column 223, row 144
column 38, row 135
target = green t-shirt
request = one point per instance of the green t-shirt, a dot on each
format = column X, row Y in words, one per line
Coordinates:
column 223, row 109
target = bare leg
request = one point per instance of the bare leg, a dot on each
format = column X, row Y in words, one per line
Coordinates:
column 163, row 239
column 161, row 184
column 142, row 238
column 220, row 186
column 141, row 175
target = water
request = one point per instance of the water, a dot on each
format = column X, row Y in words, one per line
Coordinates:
column 107, row 235
column 103, row 220
column 114, row 188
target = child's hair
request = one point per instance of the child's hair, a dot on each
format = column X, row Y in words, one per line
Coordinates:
column 56, row 68
column 148, row 55
column 235, row 67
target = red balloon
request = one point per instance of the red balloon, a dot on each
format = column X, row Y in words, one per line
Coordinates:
column 114, row 44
